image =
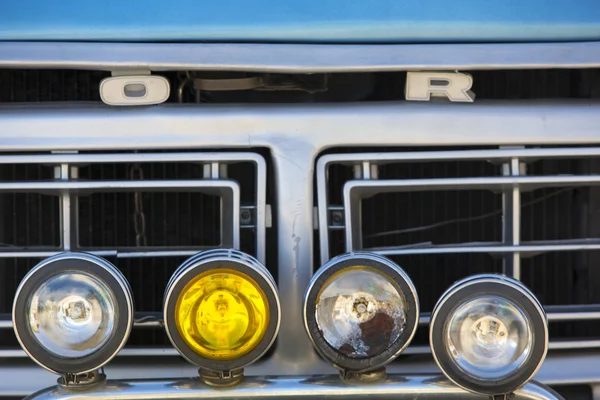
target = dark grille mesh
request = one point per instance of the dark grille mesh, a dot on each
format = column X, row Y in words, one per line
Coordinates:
column 173, row 219
column 77, row 85
column 49, row 85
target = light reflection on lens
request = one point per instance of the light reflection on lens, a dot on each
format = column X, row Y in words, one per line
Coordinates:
column 489, row 337
column 72, row 314
column 360, row 311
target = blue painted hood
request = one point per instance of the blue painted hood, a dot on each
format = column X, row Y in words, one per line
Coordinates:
column 388, row 21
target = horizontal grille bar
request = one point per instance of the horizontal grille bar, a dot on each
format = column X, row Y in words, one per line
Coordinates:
column 553, row 313
column 463, row 155
column 212, row 187
column 107, row 253
column 84, row 159
column 366, row 188
column 490, row 249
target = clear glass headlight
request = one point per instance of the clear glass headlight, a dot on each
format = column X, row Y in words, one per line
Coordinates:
column 73, row 312
column 489, row 334
column 221, row 310
column 360, row 310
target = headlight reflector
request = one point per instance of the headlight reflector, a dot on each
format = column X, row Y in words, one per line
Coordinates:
column 221, row 310
column 489, row 334
column 360, row 310
column 73, row 312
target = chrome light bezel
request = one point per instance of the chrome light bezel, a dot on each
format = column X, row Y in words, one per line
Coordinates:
column 501, row 286
column 214, row 260
column 377, row 262
column 87, row 263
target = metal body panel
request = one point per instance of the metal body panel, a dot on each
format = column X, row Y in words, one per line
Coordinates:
column 311, row 21
column 297, row 133
column 297, row 58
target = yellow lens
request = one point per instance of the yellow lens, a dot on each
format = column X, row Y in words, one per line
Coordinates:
column 222, row 314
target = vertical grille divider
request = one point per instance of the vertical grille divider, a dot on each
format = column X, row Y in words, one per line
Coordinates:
column 511, row 220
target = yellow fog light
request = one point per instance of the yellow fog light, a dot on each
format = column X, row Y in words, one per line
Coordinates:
column 222, row 314
column 222, row 310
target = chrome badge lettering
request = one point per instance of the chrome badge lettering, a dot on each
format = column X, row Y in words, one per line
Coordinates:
column 455, row 86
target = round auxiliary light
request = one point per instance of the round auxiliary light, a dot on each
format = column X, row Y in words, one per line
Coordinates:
column 73, row 312
column 222, row 310
column 361, row 310
column 489, row 334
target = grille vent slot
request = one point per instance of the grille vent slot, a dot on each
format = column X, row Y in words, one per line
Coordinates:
column 444, row 215
column 91, row 202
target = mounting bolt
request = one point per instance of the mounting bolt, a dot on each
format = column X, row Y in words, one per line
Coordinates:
column 337, row 218
column 245, row 217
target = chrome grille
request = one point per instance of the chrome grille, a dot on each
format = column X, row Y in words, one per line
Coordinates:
column 443, row 215
column 92, row 202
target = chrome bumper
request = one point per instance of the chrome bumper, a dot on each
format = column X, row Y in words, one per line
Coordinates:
column 397, row 387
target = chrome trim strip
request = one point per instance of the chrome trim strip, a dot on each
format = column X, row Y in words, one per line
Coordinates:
column 298, row 58
column 368, row 188
column 393, row 387
column 460, row 155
